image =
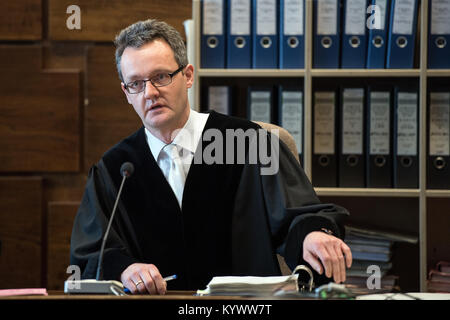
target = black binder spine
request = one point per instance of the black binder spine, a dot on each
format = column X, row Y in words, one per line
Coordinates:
column 406, row 138
column 324, row 159
column 379, row 132
column 438, row 140
column 351, row 149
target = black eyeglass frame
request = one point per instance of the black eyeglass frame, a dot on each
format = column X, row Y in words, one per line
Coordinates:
column 171, row 75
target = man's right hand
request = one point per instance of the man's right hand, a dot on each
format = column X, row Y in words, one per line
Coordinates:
column 143, row 278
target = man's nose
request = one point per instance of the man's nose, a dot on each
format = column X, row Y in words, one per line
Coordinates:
column 151, row 92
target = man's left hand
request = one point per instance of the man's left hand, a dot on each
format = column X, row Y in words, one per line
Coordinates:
column 321, row 250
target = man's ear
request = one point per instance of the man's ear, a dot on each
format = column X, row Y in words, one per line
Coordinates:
column 122, row 85
column 189, row 72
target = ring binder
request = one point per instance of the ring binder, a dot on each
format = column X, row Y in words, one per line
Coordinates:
column 354, row 37
column 402, row 34
column 324, row 158
column 213, row 34
column 265, row 34
column 326, row 34
column 438, row 140
column 406, row 137
column 291, row 26
column 239, row 51
column 439, row 34
column 378, row 35
column 378, row 137
column 351, row 155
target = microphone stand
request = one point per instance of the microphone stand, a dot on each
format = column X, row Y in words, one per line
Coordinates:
column 99, row 275
column 98, row 285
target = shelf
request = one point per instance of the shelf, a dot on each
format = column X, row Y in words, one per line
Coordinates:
column 365, row 73
column 251, row 73
column 438, row 72
column 438, row 193
column 368, row 192
column 254, row 73
column 380, row 192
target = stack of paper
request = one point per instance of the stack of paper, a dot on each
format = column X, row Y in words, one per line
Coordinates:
column 372, row 251
column 249, row 285
column 439, row 277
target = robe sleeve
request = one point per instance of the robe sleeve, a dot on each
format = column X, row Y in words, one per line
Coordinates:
column 90, row 225
column 294, row 210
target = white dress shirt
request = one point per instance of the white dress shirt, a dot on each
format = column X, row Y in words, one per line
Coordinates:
column 186, row 141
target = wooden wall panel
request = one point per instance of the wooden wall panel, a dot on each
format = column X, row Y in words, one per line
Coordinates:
column 65, row 55
column 21, row 20
column 20, row 232
column 59, row 229
column 20, row 59
column 64, row 187
column 40, row 123
column 102, row 20
column 108, row 116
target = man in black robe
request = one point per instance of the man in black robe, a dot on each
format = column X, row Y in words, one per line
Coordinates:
column 228, row 219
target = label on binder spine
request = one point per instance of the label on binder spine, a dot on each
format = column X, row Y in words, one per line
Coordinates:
column 403, row 17
column 240, row 17
column 439, row 124
column 293, row 17
column 379, row 123
column 407, row 130
column 260, row 106
column 355, row 17
column 292, row 115
column 212, row 17
column 327, row 17
column 324, row 122
column 266, row 18
column 218, row 99
column 440, row 17
column 352, row 121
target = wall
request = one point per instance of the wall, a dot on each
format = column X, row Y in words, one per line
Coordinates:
column 61, row 107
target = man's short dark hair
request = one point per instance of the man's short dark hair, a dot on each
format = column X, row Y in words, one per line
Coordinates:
column 143, row 32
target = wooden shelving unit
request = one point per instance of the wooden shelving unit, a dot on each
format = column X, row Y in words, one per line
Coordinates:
column 308, row 74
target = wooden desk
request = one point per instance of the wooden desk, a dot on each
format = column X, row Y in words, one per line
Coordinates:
column 170, row 295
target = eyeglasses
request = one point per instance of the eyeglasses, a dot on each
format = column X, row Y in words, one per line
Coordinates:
column 159, row 80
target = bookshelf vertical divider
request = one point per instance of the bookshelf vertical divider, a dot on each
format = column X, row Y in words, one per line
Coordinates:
column 307, row 96
column 423, row 146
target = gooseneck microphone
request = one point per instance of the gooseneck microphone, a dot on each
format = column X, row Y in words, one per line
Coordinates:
column 98, row 285
column 126, row 170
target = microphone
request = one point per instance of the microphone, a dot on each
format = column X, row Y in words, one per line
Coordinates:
column 127, row 169
column 100, row 286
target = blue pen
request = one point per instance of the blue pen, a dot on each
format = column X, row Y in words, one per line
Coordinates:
column 172, row 277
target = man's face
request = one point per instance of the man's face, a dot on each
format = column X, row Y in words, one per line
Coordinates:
column 161, row 109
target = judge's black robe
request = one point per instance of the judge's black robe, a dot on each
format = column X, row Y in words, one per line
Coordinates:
column 233, row 219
